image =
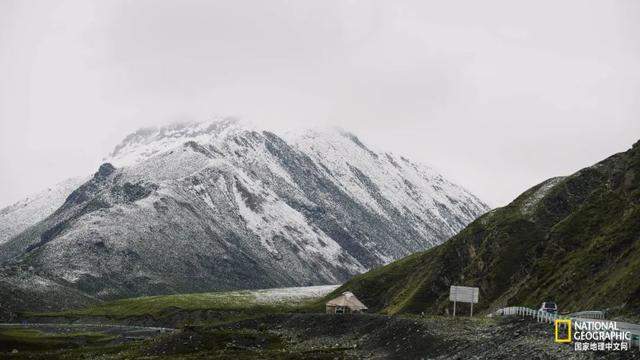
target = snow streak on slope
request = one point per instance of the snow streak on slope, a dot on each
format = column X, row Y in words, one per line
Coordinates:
column 24, row 213
column 529, row 204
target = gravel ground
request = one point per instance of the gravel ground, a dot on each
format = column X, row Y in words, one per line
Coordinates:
column 383, row 337
column 362, row 336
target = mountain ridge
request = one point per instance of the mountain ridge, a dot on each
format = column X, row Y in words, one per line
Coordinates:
column 18, row 216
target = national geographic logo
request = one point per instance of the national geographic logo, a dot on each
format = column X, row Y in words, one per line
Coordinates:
column 566, row 323
column 592, row 335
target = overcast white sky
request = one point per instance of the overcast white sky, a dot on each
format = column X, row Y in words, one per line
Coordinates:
column 498, row 95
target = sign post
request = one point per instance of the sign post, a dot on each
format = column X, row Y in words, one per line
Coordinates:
column 463, row 294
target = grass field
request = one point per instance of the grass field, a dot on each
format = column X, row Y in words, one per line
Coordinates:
column 31, row 339
column 267, row 300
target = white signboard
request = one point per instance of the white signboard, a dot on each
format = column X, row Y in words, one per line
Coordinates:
column 464, row 294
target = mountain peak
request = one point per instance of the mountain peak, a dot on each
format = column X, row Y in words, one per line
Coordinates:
column 149, row 141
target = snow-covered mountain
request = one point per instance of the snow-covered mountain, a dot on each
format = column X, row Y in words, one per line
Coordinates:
column 220, row 205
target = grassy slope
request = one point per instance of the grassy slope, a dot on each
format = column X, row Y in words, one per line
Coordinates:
column 154, row 305
column 36, row 340
column 236, row 302
column 579, row 244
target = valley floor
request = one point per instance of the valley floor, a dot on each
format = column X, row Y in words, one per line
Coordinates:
column 272, row 324
column 310, row 336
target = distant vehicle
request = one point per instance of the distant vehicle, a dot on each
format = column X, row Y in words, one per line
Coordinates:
column 550, row 307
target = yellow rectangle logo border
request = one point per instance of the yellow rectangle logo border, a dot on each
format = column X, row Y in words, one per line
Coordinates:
column 567, row 322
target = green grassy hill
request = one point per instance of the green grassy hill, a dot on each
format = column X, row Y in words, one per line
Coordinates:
column 575, row 240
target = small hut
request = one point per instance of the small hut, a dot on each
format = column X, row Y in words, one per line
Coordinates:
column 345, row 304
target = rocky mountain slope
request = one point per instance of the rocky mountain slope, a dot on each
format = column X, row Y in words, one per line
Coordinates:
column 199, row 207
column 15, row 218
column 574, row 239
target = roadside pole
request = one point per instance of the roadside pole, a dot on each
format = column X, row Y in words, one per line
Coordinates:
column 454, row 309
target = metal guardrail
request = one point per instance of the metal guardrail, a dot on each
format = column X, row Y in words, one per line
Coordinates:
column 585, row 316
column 588, row 314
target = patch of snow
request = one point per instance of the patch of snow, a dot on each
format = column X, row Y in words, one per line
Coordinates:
column 529, row 205
column 292, row 294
